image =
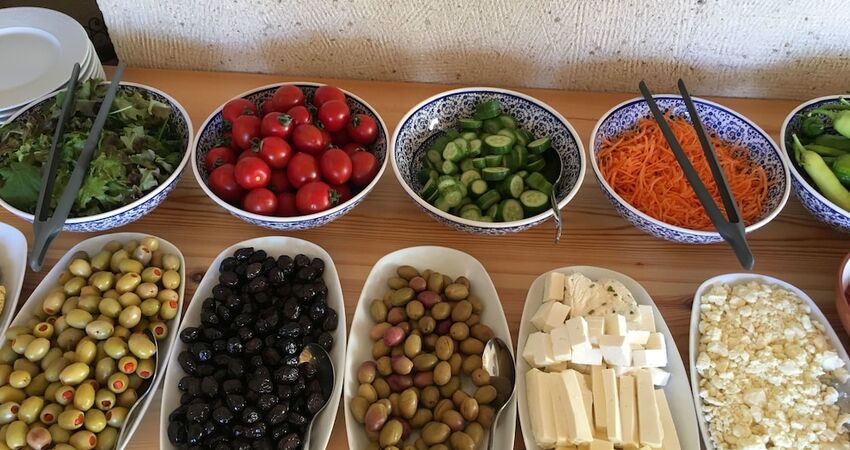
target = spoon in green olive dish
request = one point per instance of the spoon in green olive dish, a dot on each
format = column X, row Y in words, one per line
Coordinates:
column 498, row 361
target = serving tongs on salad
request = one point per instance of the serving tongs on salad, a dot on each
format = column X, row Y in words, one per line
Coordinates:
column 46, row 226
column 730, row 226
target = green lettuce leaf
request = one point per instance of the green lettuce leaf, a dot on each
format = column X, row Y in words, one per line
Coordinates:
column 21, row 184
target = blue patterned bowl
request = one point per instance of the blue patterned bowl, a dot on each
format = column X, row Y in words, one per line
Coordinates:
column 717, row 119
column 428, row 119
column 211, row 130
column 823, row 209
column 135, row 210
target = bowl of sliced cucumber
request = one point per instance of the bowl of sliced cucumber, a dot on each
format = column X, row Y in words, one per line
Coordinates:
column 485, row 160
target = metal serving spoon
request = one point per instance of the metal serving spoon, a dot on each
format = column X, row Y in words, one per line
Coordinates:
column 553, row 171
column 316, row 354
column 498, row 361
column 124, row 433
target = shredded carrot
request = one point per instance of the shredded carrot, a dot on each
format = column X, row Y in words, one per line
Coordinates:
column 643, row 170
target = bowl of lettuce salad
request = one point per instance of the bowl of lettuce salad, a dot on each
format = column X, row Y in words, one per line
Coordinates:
column 137, row 163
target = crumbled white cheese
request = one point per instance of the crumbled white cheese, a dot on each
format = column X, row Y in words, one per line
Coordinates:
column 760, row 358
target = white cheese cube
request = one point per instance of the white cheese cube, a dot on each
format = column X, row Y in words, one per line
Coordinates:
column 599, row 444
column 660, row 377
column 647, row 318
column 670, row 440
column 616, row 351
column 628, row 411
column 562, row 349
column 650, row 431
column 550, row 315
column 612, row 406
column 656, row 342
column 637, row 337
column 649, row 358
column 587, row 355
column 578, row 332
column 553, row 287
column 538, row 350
column 595, row 328
column 616, row 324
column 541, row 408
column 600, row 418
column 569, row 394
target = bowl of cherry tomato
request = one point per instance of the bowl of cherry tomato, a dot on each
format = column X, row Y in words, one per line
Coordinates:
column 290, row 156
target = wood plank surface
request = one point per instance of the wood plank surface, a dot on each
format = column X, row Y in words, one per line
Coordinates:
column 794, row 247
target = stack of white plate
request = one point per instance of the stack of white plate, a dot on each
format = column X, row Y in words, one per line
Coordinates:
column 39, row 48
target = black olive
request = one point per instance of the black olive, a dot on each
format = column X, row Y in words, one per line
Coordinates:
column 285, row 263
column 258, row 284
column 276, row 276
column 220, row 292
column 253, row 346
column 320, row 291
column 250, row 415
column 219, row 345
column 223, row 445
column 177, row 432
column 244, row 333
column 242, row 445
column 224, row 313
column 315, row 402
column 243, row 254
column 296, row 418
column 194, row 434
column 187, row 362
column 307, row 274
column 326, row 340
column 243, row 319
column 194, row 388
column 299, row 386
column 262, row 327
column 204, row 370
column 262, row 298
column 271, row 356
column 208, row 318
column 209, row 428
column 286, row 374
column 211, row 334
column 289, row 346
column 235, row 402
column 231, row 386
column 266, row 401
column 227, row 264
column 178, row 414
column 228, row 279
column 279, row 432
column 291, row 309
column 202, row 351
column 238, row 430
column 260, row 384
column 240, row 270
column 331, row 320
column 184, row 383
column 256, row 361
column 290, row 330
column 253, row 270
column 257, row 256
column 190, row 334
column 270, row 341
column 308, row 370
column 268, row 264
column 262, row 445
column 256, row 432
column 284, row 290
column 284, row 391
column 305, row 324
column 234, row 346
column 222, row 415
column 198, row 412
column 277, row 414
column 220, row 374
column 209, row 387
column 234, row 302
column 291, row 360
column 209, row 303
column 220, row 359
column 318, row 311
column 235, row 369
column 291, row 441
column 301, row 260
column 248, row 308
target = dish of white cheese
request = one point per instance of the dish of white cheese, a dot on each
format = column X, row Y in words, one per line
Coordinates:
column 597, row 369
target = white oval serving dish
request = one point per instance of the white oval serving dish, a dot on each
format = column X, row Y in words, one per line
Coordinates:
column 13, row 267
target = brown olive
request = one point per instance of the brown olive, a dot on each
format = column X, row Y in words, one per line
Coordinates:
column 378, row 311
column 376, row 416
column 366, row 372
column 435, row 282
column 428, row 299
column 425, row 361
column 423, row 379
column 471, row 346
column 442, row 406
column 469, row 409
column 408, row 402
column 486, row 415
column 429, row 397
column 418, row 284
column 435, row 433
column 407, row 272
column 421, row 417
column 485, row 394
column 396, row 283
column 461, row 441
column 458, row 397
column 448, row 389
column 359, row 405
column 380, row 349
column 445, row 348
column 396, row 315
column 475, row 431
column 454, row 420
column 368, row 392
column 455, row 362
column 426, row 324
column 412, row 345
column 456, row 291
column 377, row 331
column 470, row 363
column 442, row 373
column 441, row 311
column 481, row 332
column 382, row 388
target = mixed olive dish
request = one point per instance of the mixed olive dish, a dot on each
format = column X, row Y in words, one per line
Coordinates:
column 70, row 375
column 245, row 387
column 426, row 375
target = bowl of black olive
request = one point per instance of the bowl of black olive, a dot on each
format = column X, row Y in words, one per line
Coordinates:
column 234, row 381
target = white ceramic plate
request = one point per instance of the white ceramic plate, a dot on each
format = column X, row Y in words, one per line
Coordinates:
column 92, row 246
column 737, row 278
column 13, row 267
column 44, row 45
column 677, row 390
column 445, row 260
column 274, row 246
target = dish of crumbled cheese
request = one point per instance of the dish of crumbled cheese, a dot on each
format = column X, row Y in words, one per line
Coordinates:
column 761, row 358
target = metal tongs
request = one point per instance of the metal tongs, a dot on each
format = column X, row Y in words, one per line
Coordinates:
column 730, row 227
column 45, row 226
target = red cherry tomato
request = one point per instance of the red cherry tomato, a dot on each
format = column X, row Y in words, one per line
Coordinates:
column 364, row 167
column 300, row 115
column 238, row 107
column 286, row 205
column 275, row 152
column 223, row 184
column 302, row 169
column 336, row 166
column 276, row 124
column 260, row 201
column 252, row 172
column 314, row 197
column 309, row 138
column 284, row 98
column 218, row 157
column 279, row 183
column 246, row 153
column 340, row 138
column 352, row 147
column 362, row 129
column 327, row 93
column 343, row 191
column 246, row 131
column 334, row 115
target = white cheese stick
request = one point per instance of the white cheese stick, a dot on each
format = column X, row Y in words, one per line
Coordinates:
column 671, row 438
column 649, row 421
column 581, row 429
column 599, row 444
column 541, row 409
column 612, row 406
column 600, row 419
column 564, row 422
column 628, row 411
column 553, row 287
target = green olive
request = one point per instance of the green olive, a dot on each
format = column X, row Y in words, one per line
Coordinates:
column 80, row 267
column 95, row 420
column 73, row 286
column 5, row 371
column 150, row 242
column 30, row 409
column 84, row 397
column 51, row 304
column 71, row 419
column 130, row 316
column 37, row 386
column 103, row 281
column 109, row 307
column 147, row 291
column 99, row 329
column 52, row 354
column 37, row 349
column 104, row 399
column 130, row 245
column 170, row 262
column 100, row 261
column 83, row 440
column 9, row 412
column 127, row 398
column 60, row 325
column 121, row 332
column 129, row 299
column 146, row 368
column 20, row 379
column 52, row 371
column 69, row 338
column 70, row 303
column 171, row 279
column 64, row 276
column 116, row 258
column 106, row 439
column 128, row 282
column 43, row 330
column 151, row 275
column 142, row 254
column 141, row 346
column 59, row 435
column 26, row 365
column 86, row 351
column 89, row 290
column 130, row 266
column 16, row 434
column 167, row 295
column 150, row 307
column 156, row 258
column 10, row 394
column 112, row 293
column 38, row 438
column 15, row 331
column 78, row 318
column 64, row 395
column 118, row 382
column 74, row 374
column 159, row 329
column 135, row 381
column 50, row 413
column 89, row 303
column 168, row 309
column 112, row 246
column 20, row 342
column 7, row 354
column 115, row 347
column 128, row 364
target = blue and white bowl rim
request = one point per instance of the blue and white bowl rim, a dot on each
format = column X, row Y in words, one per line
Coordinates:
column 190, row 133
column 797, row 175
column 474, row 223
column 274, row 219
column 712, row 234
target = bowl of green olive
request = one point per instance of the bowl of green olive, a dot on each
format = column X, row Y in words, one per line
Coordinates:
column 80, row 355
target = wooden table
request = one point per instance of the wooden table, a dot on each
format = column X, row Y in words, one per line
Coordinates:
column 794, row 247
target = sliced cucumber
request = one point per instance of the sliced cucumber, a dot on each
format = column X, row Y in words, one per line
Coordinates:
column 507, row 121
column 493, row 160
column 475, row 147
column 489, row 199
column 485, row 219
column 521, row 155
column 469, row 176
column 440, row 143
column 452, row 152
column 471, row 212
column 495, row 173
column 479, row 163
column 492, row 211
column 478, row 187
column 429, row 188
column 536, row 181
column 445, row 182
column 539, row 146
column 491, row 126
column 452, row 196
column 535, row 166
column 508, row 134
column 449, row 168
column 469, row 124
column 442, row 204
column 488, row 109
column 511, row 162
column 534, row 201
column 424, row 174
column 469, row 135
column 452, row 134
column 510, row 210
column 499, row 144
column 435, row 157
column 522, row 137
column 466, row 164
column 512, row 186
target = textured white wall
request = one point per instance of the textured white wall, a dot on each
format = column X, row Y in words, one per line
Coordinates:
column 759, row 48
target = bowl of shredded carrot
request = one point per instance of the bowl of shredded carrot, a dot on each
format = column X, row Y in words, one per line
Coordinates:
column 639, row 174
